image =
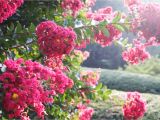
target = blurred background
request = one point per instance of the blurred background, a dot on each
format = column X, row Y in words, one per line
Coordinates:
column 110, row 57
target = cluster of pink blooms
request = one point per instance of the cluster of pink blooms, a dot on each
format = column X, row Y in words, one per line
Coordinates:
column 54, row 40
column 136, row 54
column 149, row 23
column 55, row 63
column 104, row 40
column 90, row 78
column 29, row 84
column 85, row 113
column 134, row 107
column 82, row 44
column 102, row 14
column 83, row 54
column 131, row 3
column 8, row 8
column 90, row 3
column 145, row 22
column 72, row 5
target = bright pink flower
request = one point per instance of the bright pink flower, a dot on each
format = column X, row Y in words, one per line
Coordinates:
column 90, row 78
column 55, row 63
column 136, row 54
column 101, row 15
column 132, row 2
column 8, row 8
column 134, row 106
column 54, row 40
column 85, row 113
column 146, row 23
column 82, row 44
column 105, row 40
column 30, row 84
column 81, row 54
column 73, row 5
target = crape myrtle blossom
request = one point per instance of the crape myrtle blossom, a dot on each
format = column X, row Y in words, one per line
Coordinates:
column 28, row 84
column 104, row 40
column 145, row 20
column 134, row 106
column 72, row 5
column 101, row 14
column 8, row 8
column 81, row 54
column 85, row 113
column 55, row 62
column 131, row 3
column 90, row 78
column 54, row 40
column 136, row 54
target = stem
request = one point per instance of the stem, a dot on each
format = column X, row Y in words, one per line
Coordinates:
column 19, row 46
column 96, row 25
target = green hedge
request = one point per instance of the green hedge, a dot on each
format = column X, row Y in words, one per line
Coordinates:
column 127, row 81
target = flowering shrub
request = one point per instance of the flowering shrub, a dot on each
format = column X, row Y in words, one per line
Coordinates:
column 53, row 88
column 8, row 8
column 134, row 107
column 29, row 84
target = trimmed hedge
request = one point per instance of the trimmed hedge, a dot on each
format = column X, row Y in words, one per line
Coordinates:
column 127, row 81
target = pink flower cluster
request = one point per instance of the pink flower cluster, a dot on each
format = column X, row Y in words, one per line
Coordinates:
column 149, row 23
column 82, row 44
column 54, row 62
column 146, row 23
column 136, row 54
column 29, row 84
column 101, row 14
column 82, row 54
column 130, row 3
column 54, row 40
column 72, row 5
column 85, row 113
column 104, row 40
column 90, row 3
column 8, row 8
column 90, row 78
column 134, row 107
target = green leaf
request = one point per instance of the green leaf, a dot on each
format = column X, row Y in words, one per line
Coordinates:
column 32, row 28
column 99, row 86
column 103, row 24
column 19, row 28
column 117, row 18
column 119, row 27
column 106, row 32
